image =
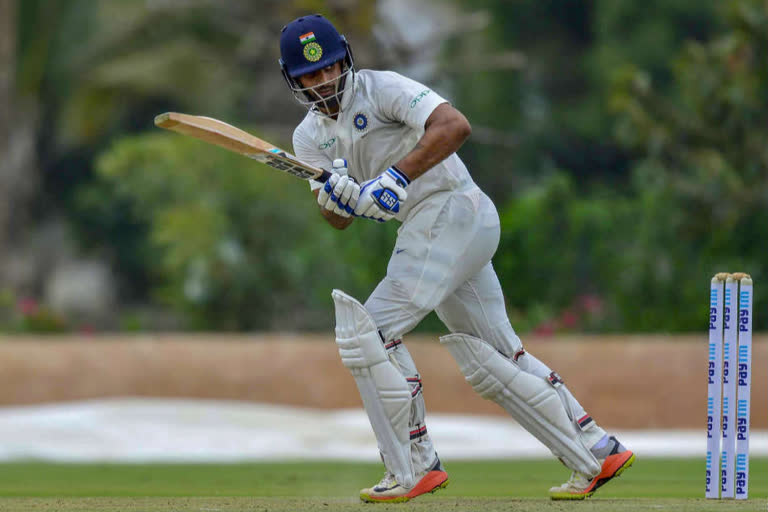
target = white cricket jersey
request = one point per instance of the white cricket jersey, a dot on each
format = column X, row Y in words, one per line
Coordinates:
column 382, row 124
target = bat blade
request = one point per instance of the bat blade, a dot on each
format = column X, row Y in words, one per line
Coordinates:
column 234, row 139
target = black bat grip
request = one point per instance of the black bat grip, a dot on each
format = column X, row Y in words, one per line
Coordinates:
column 323, row 177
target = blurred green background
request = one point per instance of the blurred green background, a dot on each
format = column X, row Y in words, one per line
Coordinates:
column 623, row 142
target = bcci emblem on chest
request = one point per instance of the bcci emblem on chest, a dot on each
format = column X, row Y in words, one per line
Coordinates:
column 361, row 122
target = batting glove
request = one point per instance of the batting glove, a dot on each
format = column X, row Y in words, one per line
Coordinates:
column 380, row 198
column 341, row 192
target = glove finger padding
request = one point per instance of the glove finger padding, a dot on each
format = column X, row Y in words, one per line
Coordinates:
column 349, row 194
column 344, row 193
column 337, row 208
column 364, row 204
column 376, row 213
column 339, row 194
column 326, row 191
column 338, row 190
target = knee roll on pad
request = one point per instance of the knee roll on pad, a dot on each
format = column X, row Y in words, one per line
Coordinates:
column 532, row 401
column 385, row 392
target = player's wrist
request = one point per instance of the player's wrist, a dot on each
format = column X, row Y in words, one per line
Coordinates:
column 336, row 220
column 399, row 176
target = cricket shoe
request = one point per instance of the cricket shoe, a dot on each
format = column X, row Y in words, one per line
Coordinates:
column 389, row 491
column 615, row 458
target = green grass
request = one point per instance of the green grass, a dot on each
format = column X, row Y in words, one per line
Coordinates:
column 651, row 484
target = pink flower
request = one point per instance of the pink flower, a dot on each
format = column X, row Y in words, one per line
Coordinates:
column 546, row 328
column 86, row 329
column 568, row 319
column 591, row 304
column 27, row 306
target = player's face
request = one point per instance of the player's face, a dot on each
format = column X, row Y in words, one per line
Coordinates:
column 322, row 76
column 323, row 84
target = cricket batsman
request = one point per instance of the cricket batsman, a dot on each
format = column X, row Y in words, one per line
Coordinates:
column 391, row 145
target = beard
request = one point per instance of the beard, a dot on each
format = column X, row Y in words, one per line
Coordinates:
column 326, row 98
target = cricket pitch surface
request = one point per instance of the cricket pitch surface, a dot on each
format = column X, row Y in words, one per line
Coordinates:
column 651, row 484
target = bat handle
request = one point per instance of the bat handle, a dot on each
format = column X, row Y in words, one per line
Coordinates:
column 323, row 177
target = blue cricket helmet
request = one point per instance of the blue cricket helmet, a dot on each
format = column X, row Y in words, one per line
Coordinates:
column 310, row 43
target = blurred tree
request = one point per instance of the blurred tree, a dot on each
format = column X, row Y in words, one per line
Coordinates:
column 547, row 109
column 703, row 169
column 7, row 68
column 601, row 218
column 233, row 244
column 7, row 64
column 87, row 72
column 18, row 179
column 695, row 203
column 211, row 58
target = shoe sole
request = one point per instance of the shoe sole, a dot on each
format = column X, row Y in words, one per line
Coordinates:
column 431, row 483
column 614, row 470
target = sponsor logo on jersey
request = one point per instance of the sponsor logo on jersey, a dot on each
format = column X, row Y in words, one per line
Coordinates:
column 313, row 52
column 327, row 144
column 361, row 121
column 415, row 101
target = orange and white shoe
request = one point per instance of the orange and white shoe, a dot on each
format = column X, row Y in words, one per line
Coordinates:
column 389, row 491
column 579, row 486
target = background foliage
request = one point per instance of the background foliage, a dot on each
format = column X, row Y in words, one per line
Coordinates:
column 623, row 142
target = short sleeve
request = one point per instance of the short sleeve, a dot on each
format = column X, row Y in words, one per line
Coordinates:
column 306, row 152
column 405, row 100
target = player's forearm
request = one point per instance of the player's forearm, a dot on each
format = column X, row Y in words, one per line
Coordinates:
column 446, row 130
column 336, row 221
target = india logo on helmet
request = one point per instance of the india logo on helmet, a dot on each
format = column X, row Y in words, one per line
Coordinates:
column 313, row 52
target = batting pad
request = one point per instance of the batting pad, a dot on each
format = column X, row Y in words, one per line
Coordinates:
column 385, row 392
column 532, row 401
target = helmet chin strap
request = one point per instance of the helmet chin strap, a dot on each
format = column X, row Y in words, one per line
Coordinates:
column 344, row 90
column 310, row 98
column 329, row 105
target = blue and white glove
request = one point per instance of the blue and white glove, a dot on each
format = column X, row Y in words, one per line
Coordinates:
column 340, row 193
column 380, row 198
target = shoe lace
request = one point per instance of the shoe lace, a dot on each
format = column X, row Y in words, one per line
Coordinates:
column 387, row 480
column 578, row 480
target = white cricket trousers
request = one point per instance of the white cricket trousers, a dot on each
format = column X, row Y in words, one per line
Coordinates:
column 442, row 262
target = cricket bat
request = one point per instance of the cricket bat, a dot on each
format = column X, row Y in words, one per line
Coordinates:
column 234, row 139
